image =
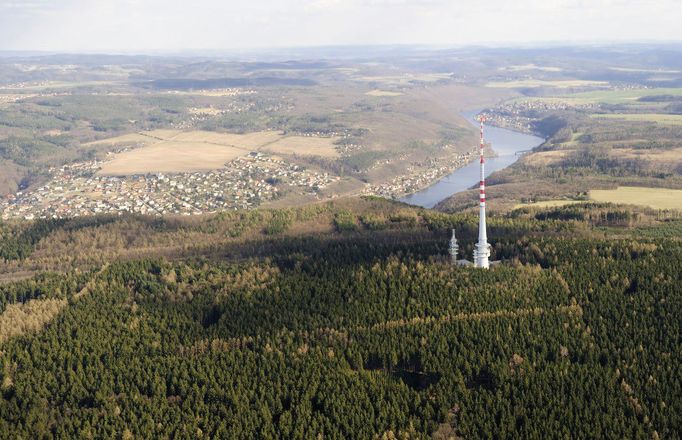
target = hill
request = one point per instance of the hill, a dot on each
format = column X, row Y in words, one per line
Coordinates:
column 343, row 320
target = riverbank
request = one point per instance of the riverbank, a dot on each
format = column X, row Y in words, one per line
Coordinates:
column 420, row 177
column 506, row 143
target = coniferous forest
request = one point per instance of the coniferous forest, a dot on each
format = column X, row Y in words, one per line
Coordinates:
column 360, row 329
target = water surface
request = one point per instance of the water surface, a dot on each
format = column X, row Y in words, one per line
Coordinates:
column 506, row 143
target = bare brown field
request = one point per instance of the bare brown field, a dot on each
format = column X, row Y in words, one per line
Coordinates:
column 169, row 157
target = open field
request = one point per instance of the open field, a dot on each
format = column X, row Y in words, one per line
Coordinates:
column 169, row 157
column 657, row 198
column 563, row 84
column 619, row 96
column 379, row 93
column 629, row 96
column 169, row 151
column 643, row 117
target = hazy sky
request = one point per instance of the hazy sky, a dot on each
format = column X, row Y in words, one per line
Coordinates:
column 143, row 25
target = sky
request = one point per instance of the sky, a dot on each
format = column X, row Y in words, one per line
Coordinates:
column 141, row 26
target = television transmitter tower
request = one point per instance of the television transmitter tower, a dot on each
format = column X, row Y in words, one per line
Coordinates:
column 482, row 249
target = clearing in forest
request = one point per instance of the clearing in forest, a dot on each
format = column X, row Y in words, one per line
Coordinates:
column 657, row 198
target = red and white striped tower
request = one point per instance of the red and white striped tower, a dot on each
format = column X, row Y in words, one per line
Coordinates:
column 482, row 249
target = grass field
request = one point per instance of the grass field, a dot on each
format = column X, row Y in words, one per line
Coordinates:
column 169, row 157
column 620, row 96
column 657, row 198
column 606, row 96
column 563, row 84
column 380, row 93
column 644, row 117
column 169, row 151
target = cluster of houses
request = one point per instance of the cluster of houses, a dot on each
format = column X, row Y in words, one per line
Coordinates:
column 520, row 115
column 419, row 176
column 78, row 190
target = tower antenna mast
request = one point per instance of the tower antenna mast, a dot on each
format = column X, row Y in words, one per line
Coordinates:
column 482, row 249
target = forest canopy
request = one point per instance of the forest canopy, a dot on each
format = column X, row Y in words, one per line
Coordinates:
column 362, row 330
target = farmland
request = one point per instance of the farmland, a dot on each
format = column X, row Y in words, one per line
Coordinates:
column 644, row 117
column 562, row 84
column 657, row 198
column 170, row 157
column 629, row 96
column 169, row 151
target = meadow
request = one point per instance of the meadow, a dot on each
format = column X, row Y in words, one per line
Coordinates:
column 563, row 84
column 659, row 118
column 657, row 198
column 169, row 157
column 171, row 151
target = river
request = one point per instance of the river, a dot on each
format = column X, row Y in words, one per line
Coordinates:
column 506, row 143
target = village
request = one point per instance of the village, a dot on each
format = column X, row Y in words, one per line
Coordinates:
column 518, row 115
column 77, row 190
column 419, row 176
